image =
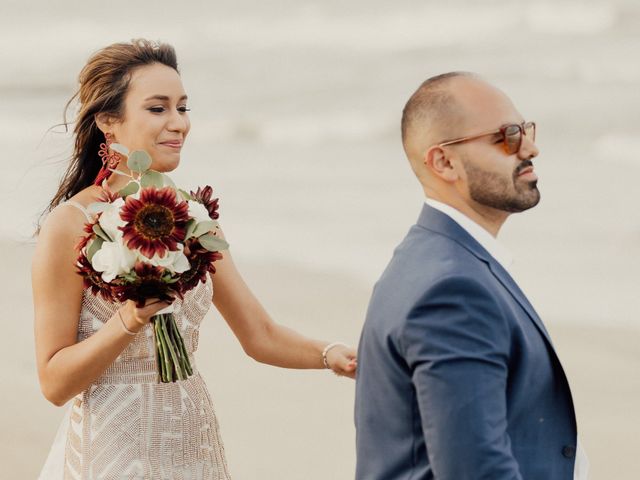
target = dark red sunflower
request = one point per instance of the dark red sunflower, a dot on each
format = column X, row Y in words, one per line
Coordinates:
column 156, row 222
column 90, row 235
column 92, row 280
column 107, row 196
column 201, row 261
column 148, row 284
column 203, row 196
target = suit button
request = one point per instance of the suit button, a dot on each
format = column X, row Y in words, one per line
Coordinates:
column 568, row 451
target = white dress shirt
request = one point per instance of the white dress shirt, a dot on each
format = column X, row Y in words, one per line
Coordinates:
column 504, row 258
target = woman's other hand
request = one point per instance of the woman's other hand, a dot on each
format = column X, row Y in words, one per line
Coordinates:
column 343, row 361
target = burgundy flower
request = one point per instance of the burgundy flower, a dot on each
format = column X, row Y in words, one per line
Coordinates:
column 201, row 261
column 92, row 280
column 107, row 196
column 203, row 196
column 156, row 222
column 149, row 283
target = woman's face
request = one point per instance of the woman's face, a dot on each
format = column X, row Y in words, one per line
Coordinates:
column 155, row 116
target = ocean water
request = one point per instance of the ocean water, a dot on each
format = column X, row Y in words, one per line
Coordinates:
column 296, row 108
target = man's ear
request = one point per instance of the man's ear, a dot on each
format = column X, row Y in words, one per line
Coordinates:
column 437, row 161
column 104, row 122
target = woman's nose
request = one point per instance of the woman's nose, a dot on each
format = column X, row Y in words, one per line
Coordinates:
column 178, row 122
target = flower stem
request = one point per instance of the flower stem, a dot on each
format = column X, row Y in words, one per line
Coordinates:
column 182, row 349
column 170, row 346
column 164, row 354
column 159, row 361
column 171, row 353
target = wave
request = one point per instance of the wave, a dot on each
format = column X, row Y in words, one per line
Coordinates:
column 296, row 129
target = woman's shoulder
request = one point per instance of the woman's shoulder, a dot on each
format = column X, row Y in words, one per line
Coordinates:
column 87, row 196
column 68, row 218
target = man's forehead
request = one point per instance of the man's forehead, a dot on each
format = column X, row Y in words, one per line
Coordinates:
column 484, row 105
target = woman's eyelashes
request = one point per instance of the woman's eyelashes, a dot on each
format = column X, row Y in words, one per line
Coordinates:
column 181, row 109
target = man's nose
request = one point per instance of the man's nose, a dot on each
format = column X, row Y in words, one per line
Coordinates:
column 528, row 149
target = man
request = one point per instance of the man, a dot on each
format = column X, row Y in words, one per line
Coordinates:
column 457, row 377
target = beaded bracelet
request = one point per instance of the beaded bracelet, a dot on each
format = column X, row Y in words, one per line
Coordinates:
column 326, row 350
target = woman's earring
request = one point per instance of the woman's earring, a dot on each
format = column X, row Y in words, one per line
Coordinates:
column 110, row 159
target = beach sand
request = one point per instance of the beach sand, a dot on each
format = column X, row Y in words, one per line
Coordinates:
column 295, row 122
column 293, row 425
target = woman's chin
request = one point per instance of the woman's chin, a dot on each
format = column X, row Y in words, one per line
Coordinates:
column 165, row 166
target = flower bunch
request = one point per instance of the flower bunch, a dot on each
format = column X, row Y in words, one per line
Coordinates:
column 151, row 240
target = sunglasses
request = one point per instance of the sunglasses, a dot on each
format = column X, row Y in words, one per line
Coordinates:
column 511, row 136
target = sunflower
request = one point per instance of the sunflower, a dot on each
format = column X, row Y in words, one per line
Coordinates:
column 203, row 195
column 90, row 235
column 148, row 283
column 156, row 222
column 201, row 261
column 93, row 281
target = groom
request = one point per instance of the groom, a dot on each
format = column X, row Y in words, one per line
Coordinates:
column 457, row 377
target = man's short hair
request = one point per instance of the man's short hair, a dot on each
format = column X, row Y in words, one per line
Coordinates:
column 432, row 106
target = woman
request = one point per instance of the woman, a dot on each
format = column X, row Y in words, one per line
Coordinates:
column 122, row 424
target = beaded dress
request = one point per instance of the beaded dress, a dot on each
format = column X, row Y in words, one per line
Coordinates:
column 126, row 425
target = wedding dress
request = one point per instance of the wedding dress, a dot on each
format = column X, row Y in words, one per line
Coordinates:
column 126, row 425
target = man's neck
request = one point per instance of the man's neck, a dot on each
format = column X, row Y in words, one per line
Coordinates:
column 488, row 218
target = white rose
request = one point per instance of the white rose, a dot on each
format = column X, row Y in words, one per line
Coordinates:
column 198, row 211
column 176, row 262
column 110, row 219
column 113, row 259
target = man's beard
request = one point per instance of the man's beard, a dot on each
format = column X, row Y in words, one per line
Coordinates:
column 502, row 193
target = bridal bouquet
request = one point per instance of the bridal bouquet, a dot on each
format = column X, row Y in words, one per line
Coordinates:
column 151, row 240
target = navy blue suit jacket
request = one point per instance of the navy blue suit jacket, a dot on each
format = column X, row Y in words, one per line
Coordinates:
column 457, row 377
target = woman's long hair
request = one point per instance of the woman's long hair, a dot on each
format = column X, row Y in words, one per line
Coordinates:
column 103, row 85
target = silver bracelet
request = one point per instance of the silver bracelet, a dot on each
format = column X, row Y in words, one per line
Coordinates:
column 326, row 350
column 126, row 330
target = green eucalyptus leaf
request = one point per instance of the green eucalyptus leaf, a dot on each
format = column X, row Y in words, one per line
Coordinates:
column 130, row 189
column 204, row 227
column 185, row 195
column 213, row 243
column 151, row 178
column 97, row 229
column 95, row 245
column 117, row 147
column 131, row 278
column 139, row 161
column 167, row 182
column 191, row 226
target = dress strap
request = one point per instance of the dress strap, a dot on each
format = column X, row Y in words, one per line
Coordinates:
column 86, row 213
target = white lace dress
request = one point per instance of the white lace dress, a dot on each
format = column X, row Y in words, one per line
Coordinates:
column 126, row 425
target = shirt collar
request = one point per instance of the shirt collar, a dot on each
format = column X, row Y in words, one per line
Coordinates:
column 480, row 235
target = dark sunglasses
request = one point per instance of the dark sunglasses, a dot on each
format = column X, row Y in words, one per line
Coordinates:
column 511, row 136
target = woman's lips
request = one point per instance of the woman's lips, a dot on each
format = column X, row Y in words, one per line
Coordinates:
column 175, row 145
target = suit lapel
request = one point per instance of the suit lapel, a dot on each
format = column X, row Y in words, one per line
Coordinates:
column 505, row 279
column 436, row 221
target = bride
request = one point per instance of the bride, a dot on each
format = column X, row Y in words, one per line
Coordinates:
column 100, row 355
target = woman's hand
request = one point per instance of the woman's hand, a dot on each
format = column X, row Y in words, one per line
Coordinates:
column 141, row 316
column 343, row 360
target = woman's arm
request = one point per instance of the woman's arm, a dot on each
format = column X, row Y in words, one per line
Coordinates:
column 263, row 339
column 65, row 367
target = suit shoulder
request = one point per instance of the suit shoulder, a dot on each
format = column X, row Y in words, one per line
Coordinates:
column 429, row 255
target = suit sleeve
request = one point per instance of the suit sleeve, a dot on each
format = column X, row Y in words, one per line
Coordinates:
column 456, row 344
